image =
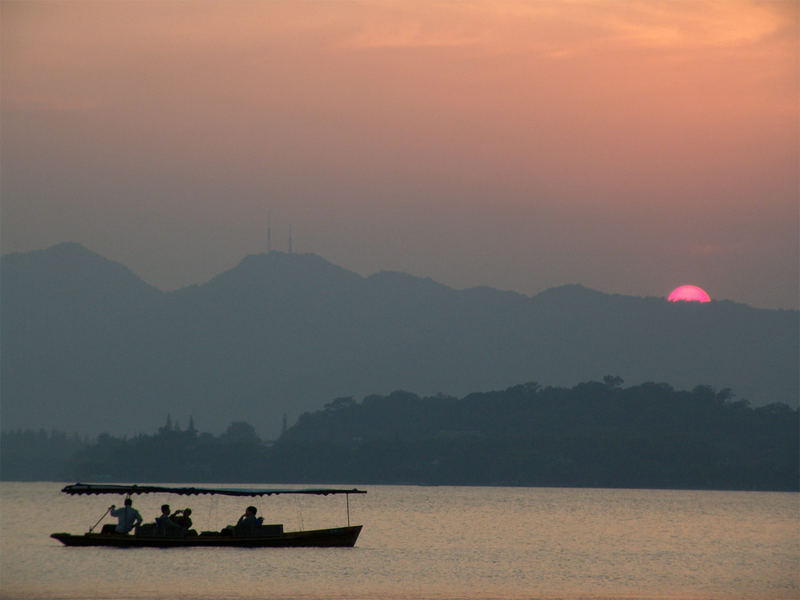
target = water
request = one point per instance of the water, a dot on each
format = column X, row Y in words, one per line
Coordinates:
column 426, row 542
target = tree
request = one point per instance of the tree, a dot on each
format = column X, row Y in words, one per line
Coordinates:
column 240, row 431
column 340, row 403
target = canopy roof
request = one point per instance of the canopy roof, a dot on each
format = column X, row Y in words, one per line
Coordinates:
column 92, row 488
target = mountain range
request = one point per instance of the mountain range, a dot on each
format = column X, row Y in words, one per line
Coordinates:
column 88, row 346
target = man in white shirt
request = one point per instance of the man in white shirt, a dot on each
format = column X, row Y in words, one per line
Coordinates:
column 128, row 517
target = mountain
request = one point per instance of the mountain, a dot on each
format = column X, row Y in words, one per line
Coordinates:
column 69, row 320
column 87, row 346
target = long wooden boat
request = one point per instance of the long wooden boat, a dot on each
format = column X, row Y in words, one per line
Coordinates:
column 338, row 536
column 265, row 536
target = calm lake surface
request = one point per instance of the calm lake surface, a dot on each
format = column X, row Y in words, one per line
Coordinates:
column 425, row 542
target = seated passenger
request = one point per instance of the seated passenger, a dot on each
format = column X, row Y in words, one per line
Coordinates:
column 166, row 526
column 182, row 518
column 248, row 521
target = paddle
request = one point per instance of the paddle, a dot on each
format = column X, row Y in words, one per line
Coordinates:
column 91, row 529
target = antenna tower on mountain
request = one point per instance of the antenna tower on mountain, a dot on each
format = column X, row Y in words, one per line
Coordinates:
column 290, row 239
column 269, row 232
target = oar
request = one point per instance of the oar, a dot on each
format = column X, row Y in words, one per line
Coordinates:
column 98, row 520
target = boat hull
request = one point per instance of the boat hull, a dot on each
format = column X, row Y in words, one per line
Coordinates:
column 343, row 537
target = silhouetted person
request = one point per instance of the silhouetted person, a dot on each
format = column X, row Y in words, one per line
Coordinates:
column 182, row 518
column 165, row 523
column 248, row 521
column 128, row 517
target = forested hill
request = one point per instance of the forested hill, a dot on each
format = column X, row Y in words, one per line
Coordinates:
column 596, row 434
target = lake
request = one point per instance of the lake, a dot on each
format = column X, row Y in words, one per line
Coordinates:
column 425, row 542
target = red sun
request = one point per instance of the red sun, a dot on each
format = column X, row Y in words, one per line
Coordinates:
column 689, row 293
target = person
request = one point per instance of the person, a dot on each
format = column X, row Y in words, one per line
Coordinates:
column 128, row 517
column 249, row 520
column 182, row 518
column 166, row 524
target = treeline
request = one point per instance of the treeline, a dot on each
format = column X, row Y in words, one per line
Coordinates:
column 28, row 455
column 171, row 454
column 596, row 434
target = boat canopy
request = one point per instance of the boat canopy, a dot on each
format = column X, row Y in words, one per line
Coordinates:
column 92, row 488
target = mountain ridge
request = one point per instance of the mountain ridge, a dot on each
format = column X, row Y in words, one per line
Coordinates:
column 560, row 292
column 284, row 333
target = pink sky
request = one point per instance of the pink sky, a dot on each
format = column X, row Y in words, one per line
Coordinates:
column 626, row 146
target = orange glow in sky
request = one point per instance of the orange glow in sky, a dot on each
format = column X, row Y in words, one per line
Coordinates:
column 522, row 145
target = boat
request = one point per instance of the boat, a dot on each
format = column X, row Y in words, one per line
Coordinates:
column 264, row 536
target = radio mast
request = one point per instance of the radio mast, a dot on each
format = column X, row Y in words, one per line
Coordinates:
column 269, row 231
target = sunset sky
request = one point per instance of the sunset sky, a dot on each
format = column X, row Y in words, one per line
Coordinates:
column 631, row 146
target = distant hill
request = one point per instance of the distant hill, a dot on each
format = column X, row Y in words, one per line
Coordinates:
column 87, row 346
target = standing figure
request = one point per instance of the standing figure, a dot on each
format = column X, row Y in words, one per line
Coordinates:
column 128, row 517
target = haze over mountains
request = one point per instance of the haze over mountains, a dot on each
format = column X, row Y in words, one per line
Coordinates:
column 88, row 346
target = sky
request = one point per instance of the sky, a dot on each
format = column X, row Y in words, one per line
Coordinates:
column 627, row 146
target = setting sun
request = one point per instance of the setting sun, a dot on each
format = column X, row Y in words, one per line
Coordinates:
column 689, row 293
